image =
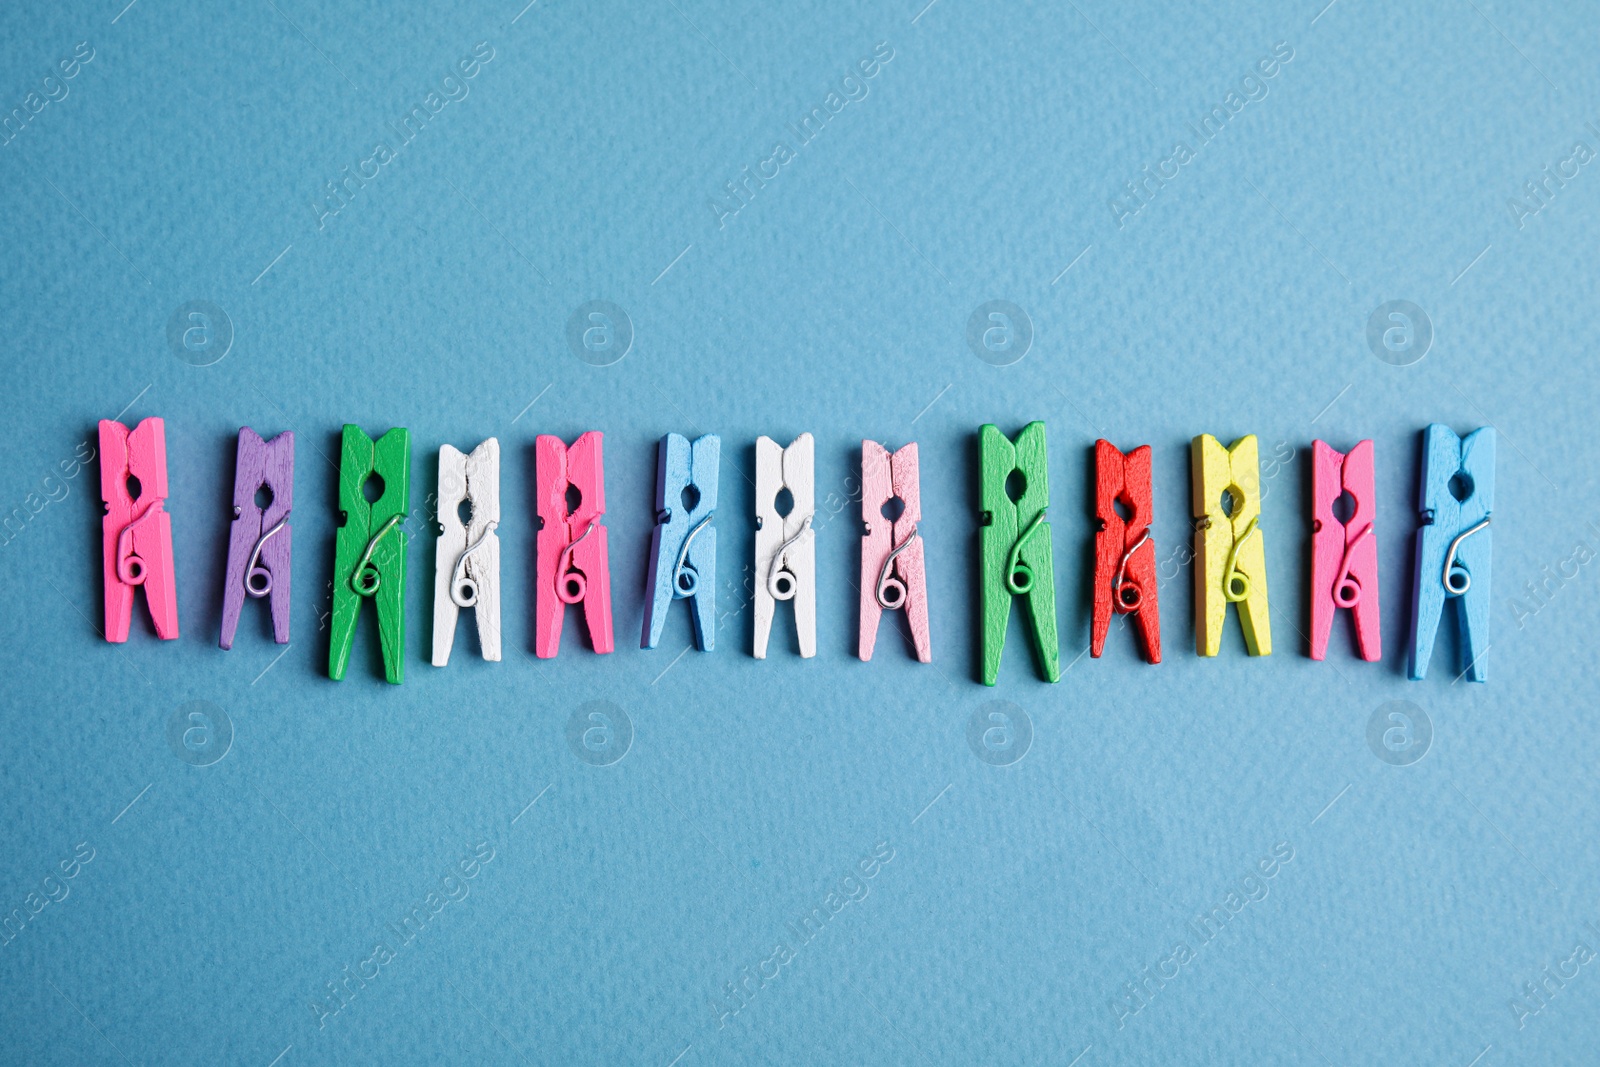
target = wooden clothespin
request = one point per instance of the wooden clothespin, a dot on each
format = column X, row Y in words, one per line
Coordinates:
column 259, row 540
column 1124, row 556
column 137, row 531
column 1014, row 543
column 786, row 561
column 573, row 566
column 892, row 577
column 1228, row 545
column 1344, row 555
column 369, row 558
column 683, row 547
column 466, row 560
column 1453, row 546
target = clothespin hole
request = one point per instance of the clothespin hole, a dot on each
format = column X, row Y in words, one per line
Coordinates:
column 259, row 581
column 1461, row 485
column 785, row 502
column 690, row 497
column 1227, row 501
column 372, row 487
column 264, row 497
column 574, row 498
column 1129, row 595
column 1123, row 507
column 574, row 587
column 464, row 512
column 783, row 584
column 133, row 487
column 1239, row 585
column 1016, row 485
column 1344, row 509
column 893, row 508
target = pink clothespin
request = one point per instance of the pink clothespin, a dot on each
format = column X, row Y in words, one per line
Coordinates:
column 137, row 528
column 892, row 575
column 1344, row 555
column 572, row 566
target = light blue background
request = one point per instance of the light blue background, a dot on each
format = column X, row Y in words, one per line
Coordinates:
column 183, row 165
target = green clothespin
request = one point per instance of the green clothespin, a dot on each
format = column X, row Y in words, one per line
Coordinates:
column 1015, row 546
column 369, row 558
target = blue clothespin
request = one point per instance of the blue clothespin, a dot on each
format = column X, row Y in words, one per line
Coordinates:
column 683, row 549
column 1453, row 545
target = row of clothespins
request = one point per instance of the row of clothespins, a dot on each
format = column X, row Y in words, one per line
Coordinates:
column 573, row 568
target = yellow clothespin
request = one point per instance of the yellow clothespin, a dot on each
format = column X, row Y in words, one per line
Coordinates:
column 1230, row 553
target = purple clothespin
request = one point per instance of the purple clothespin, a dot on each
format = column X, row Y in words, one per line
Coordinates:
column 258, row 546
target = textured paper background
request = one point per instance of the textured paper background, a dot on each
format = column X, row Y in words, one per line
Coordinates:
column 184, row 163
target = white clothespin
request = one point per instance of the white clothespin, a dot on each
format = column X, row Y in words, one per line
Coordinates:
column 785, row 544
column 467, row 557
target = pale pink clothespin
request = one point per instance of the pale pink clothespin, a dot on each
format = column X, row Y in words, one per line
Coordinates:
column 892, row 577
column 1344, row 555
column 137, row 529
column 573, row 566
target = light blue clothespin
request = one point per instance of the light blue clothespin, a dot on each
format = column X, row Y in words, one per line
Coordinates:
column 683, row 549
column 1453, row 546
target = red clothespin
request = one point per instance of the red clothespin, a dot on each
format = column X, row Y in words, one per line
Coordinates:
column 1344, row 555
column 137, row 529
column 892, row 574
column 573, row 566
column 1124, row 554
